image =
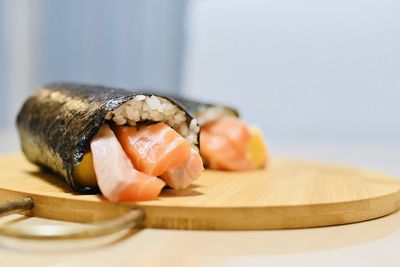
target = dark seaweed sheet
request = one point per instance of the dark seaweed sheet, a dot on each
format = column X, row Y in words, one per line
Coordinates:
column 58, row 122
column 193, row 106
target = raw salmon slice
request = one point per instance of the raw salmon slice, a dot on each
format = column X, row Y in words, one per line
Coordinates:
column 155, row 148
column 118, row 180
column 223, row 145
column 183, row 175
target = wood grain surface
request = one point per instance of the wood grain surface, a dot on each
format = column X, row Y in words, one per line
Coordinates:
column 289, row 194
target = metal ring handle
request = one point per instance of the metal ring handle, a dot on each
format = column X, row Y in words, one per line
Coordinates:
column 133, row 218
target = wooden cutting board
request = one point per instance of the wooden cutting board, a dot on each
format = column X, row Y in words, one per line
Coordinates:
column 289, row 194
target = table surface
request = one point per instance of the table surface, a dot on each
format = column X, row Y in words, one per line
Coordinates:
column 370, row 243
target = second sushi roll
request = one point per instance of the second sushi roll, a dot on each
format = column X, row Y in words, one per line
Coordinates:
column 226, row 142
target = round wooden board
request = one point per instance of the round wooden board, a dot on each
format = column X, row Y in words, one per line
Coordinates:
column 289, row 194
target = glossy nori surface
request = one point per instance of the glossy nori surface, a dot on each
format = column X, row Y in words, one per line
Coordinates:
column 57, row 123
column 194, row 107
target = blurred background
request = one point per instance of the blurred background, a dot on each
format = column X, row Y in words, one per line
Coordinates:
column 321, row 78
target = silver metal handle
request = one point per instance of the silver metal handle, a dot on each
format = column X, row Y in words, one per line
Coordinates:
column 133, row 218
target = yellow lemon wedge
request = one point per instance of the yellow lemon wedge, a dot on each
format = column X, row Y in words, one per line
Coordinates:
column 84, row 171
column 257, row 149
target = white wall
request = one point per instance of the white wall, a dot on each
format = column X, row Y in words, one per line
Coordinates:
column 300, row 69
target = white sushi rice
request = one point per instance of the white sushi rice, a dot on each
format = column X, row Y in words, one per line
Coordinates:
column 209, row 114
column 155, row 108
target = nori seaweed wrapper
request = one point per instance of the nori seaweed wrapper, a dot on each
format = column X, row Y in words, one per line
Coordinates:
column 194, row 107
column 58, row 122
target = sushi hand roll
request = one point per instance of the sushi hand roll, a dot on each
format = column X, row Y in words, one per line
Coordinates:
column 226, row 142
column 129, row 145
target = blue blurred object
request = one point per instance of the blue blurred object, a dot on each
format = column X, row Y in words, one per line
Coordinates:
column 122, row 43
